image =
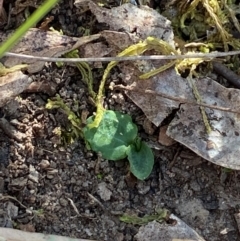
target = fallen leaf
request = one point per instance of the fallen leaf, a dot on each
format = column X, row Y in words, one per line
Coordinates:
column 45, row 23
column 119, row 40
column 188, row 128
column 17, row 235
column 179, row 231
column 95, row 49
column 155, row 107
column 221, row 146
column 12, row 85
column 43, row 43
column 44, row 86
column 123, row 18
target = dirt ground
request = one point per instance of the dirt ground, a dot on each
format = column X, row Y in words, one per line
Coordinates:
column 68, row 190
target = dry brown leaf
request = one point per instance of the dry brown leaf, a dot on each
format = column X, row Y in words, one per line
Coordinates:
column 44, row 86
column 95, row 49
column 12, row 85
column 119, row 40
column 40, row 43
column 221, row 146
column 142, row 21
column 45, row 23
column 155, row 231
column 156, row 108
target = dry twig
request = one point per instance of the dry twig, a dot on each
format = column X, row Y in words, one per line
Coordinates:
column 127, row 58
column 181, row 100
column 228, row 74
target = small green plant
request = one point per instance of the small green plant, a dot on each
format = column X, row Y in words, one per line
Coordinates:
column 111, row 133
column 116, row 138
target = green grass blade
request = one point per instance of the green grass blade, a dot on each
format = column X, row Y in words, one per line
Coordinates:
column 31, row 21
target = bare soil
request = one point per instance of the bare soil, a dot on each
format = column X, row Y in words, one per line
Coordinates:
column 52, row 188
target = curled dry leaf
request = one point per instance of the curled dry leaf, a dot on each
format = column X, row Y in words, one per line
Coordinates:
column 179, row 231
column 43, row 43
column 12, row 85
column 45, row 23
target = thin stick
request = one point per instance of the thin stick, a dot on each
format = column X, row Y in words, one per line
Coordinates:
column 129, row 58
column 181, row 100
column 227, row 73
column 12, row 198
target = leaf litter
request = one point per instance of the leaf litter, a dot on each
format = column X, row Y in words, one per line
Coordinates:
column 221, row 145
column 12, row 85
column 131, row 73
column 123, row 18
column 46, row 43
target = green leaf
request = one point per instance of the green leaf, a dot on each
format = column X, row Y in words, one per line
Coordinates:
column 112, row 137
column 141, row 159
